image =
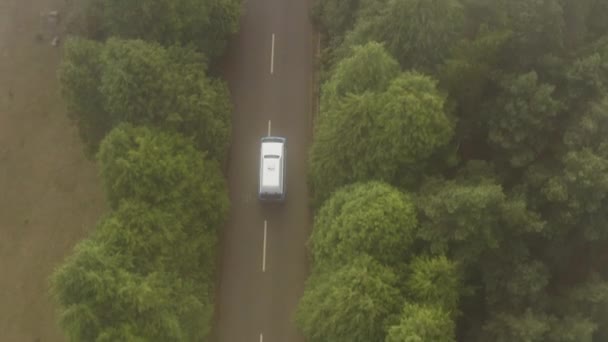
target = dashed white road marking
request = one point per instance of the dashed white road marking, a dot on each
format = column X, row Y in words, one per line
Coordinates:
column 264, row 247
column 272, row 56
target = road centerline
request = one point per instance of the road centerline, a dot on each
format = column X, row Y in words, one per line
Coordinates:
column 264, row 247
column 269, row 126
column 272, row 56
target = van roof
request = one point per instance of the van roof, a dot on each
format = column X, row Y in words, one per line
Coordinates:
column 271, row 148
column 270, row 169
column 272, row 155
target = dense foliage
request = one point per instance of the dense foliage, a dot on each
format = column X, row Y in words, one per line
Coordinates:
column 370, row 218
column 497, row 128
column 146, row 84
column 374, row 133
column 204, row 25
column 420, row 323
column 350, row 304
column 147, row 271
column 141, row 97
column 163, row 169
column 362, row 240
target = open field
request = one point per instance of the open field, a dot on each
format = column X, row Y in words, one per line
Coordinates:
column 50, row 194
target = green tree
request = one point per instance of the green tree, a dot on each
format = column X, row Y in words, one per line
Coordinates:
column 533, row 326
column 575, row 196
column 588, row 129
column 420, row 323
column 102, row 300
column 205, row 24
column 538, row 28
column 418, row 33
column 351, row 304
column 371, row 218
column 527, row 326
column 335, row 18
column 165, row 170
column 590, row 299
column 154, row 239
column 374, row 136
column 465, row 220
column 587, row 76
column 436, row 282
column 586, row 181
column 521, row 121
column 144, row 83
column 369, row 68
column 513, row 280
column 470, row 75
column 420, row 123
column 80, row 74
column 573, row 329
column 342, row 152
column 570, row 190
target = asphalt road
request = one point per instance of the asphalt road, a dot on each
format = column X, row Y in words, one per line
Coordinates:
column 263, row 271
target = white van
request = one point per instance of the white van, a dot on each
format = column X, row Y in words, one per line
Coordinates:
column 272, row 169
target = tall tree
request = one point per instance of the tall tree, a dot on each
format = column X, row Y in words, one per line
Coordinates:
column 369, row 68
column 80, row 74
column 205, row 24
column 420, row 323
column 436, row 282
column 351, row 304
column 335, row 18
column 512, row 280
column 418, row 33
column 536, row 327
column 162, row 169
column 374, row 136
column 102, row 300
column 144, row 83
column 371, row 218
column 522, row 118
column 154, row 239
column 527, row 326
column 590, row 299
column 465, row 220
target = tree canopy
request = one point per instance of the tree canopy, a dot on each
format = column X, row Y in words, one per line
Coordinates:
column 465, row 220
column 143, row 93
column 147, row 271
column 204, row 24
column 369, row 68
column 374, row 135
column 370, row 218
column 103, row 299
column 350, row 304
column 419, row 323
column 418, row 33
column 495, row 125
column 144, row 84
column 162, row 169
column 435, row 281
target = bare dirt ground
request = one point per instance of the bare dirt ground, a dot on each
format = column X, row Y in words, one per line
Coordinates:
column 50, row 195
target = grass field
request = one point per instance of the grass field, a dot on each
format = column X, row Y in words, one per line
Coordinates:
column 50, row 194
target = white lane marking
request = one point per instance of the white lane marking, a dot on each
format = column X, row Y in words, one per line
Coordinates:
column 272, row 56
column 269, row 126
column 264, row 247
column 261, row 337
